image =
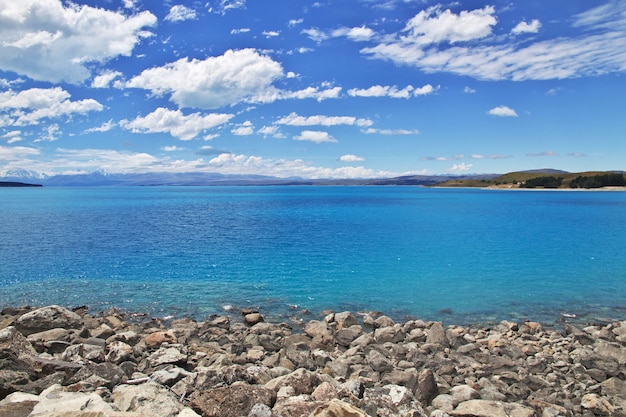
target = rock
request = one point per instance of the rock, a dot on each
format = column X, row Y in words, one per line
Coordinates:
column 18, row 404
column 437, row 334
column 391, row 401
column 149, row 399
column 484, row 408
column 383, row 321
column 47, row 318
column 252, row 319
column 346, row 336
column 56, row 401
column 261, row 410
column 166, row 356
column 234, row 401
column 337, row 408
column 389, row 334
column 427, row 386
column 118, row 352
column 378, row 361
column 296, row 406
column 301, row 380
column 100, row 374
column 596, row 404
column 156, row 339
column 169, row 376
column 346, row 319
column 462, row 393
column 325, row 392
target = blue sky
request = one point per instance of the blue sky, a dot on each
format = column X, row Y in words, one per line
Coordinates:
column 319, row 89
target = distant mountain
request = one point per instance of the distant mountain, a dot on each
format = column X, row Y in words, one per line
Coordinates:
column 212, row 178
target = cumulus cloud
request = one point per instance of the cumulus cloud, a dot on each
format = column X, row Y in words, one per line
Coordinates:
column 315, row 34
column 294, row 22
column 462, row 167
column 245, row 129
column 213, row 82
column 178, row 13
column 270, row 33
column 436, row 41
column 391, row 91
column 224, row 6
column 29, row 107
column 175, row 123
column 351, row 158
column 104, row 127
column 238, row 31
column 502, row 111
column 315, row 136
column 294, row 119
column 51, row 40
column 435, row 25
column 103, row 80
column 357, row 34
column 525, row 27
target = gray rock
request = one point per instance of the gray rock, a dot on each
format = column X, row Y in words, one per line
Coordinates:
column 56, row 401
column 437, row 334
column 484, row 408
column 301, row 380
column 234, row 401
column 427, row 386
column 149, row 399
column 47, row 318
column 346, row 336
column 378, row 361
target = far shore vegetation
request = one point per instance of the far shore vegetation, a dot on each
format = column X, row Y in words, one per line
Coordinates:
column 545, row 179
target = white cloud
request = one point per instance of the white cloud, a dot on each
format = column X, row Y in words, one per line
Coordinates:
column 309, row 92
column 503, row 111
column 315, row 35
column 104, row 127
column 172, row 148
column 357, row 34
column 245, row 129
column 432, row 46
column 525, row 27
column 238, row 31
column 546, row 153
column 435, row 25
column 12, row 136
column 10, row 153
column 391, row 91
column 462, row 167
column 235, row 76
column 294, row 119
column 48, row 40
column 496, row 156
column 178, row 13
column 224, row 6
column 175, row 123
column 104, row 79
column 51, row 134
column 315, row 136
column 469, row 90
column 270, row 33
column 351, row 158
column 273, row 131
column 294, row 22
column 28, row 107
column 398, row 132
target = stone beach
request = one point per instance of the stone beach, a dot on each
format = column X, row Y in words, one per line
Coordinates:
column 56, row 362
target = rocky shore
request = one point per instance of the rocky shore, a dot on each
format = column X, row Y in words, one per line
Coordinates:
column 56, row 362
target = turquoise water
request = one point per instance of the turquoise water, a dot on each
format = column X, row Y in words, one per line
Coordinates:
column 457, row 255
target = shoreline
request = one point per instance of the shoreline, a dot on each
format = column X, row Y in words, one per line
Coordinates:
column 121, row 364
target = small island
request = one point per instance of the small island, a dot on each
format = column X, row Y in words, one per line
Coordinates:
column 545, row 179
column 17, row 184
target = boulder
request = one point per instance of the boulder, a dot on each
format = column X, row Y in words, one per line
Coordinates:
column 156, row 339
column 484, row 408
column 252, row 319
column 234, row 401
column 48, row 318
column 437, row 334
column 427, row 388
column 149, row 399
column 337, row 408
column 301, row 380
column 378, row 361
column 56, row 401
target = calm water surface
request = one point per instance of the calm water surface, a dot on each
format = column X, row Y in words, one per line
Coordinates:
column 458, row 255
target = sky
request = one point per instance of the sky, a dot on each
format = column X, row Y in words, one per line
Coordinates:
column 315, row 89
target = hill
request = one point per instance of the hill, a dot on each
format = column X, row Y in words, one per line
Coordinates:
column 545, row 178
